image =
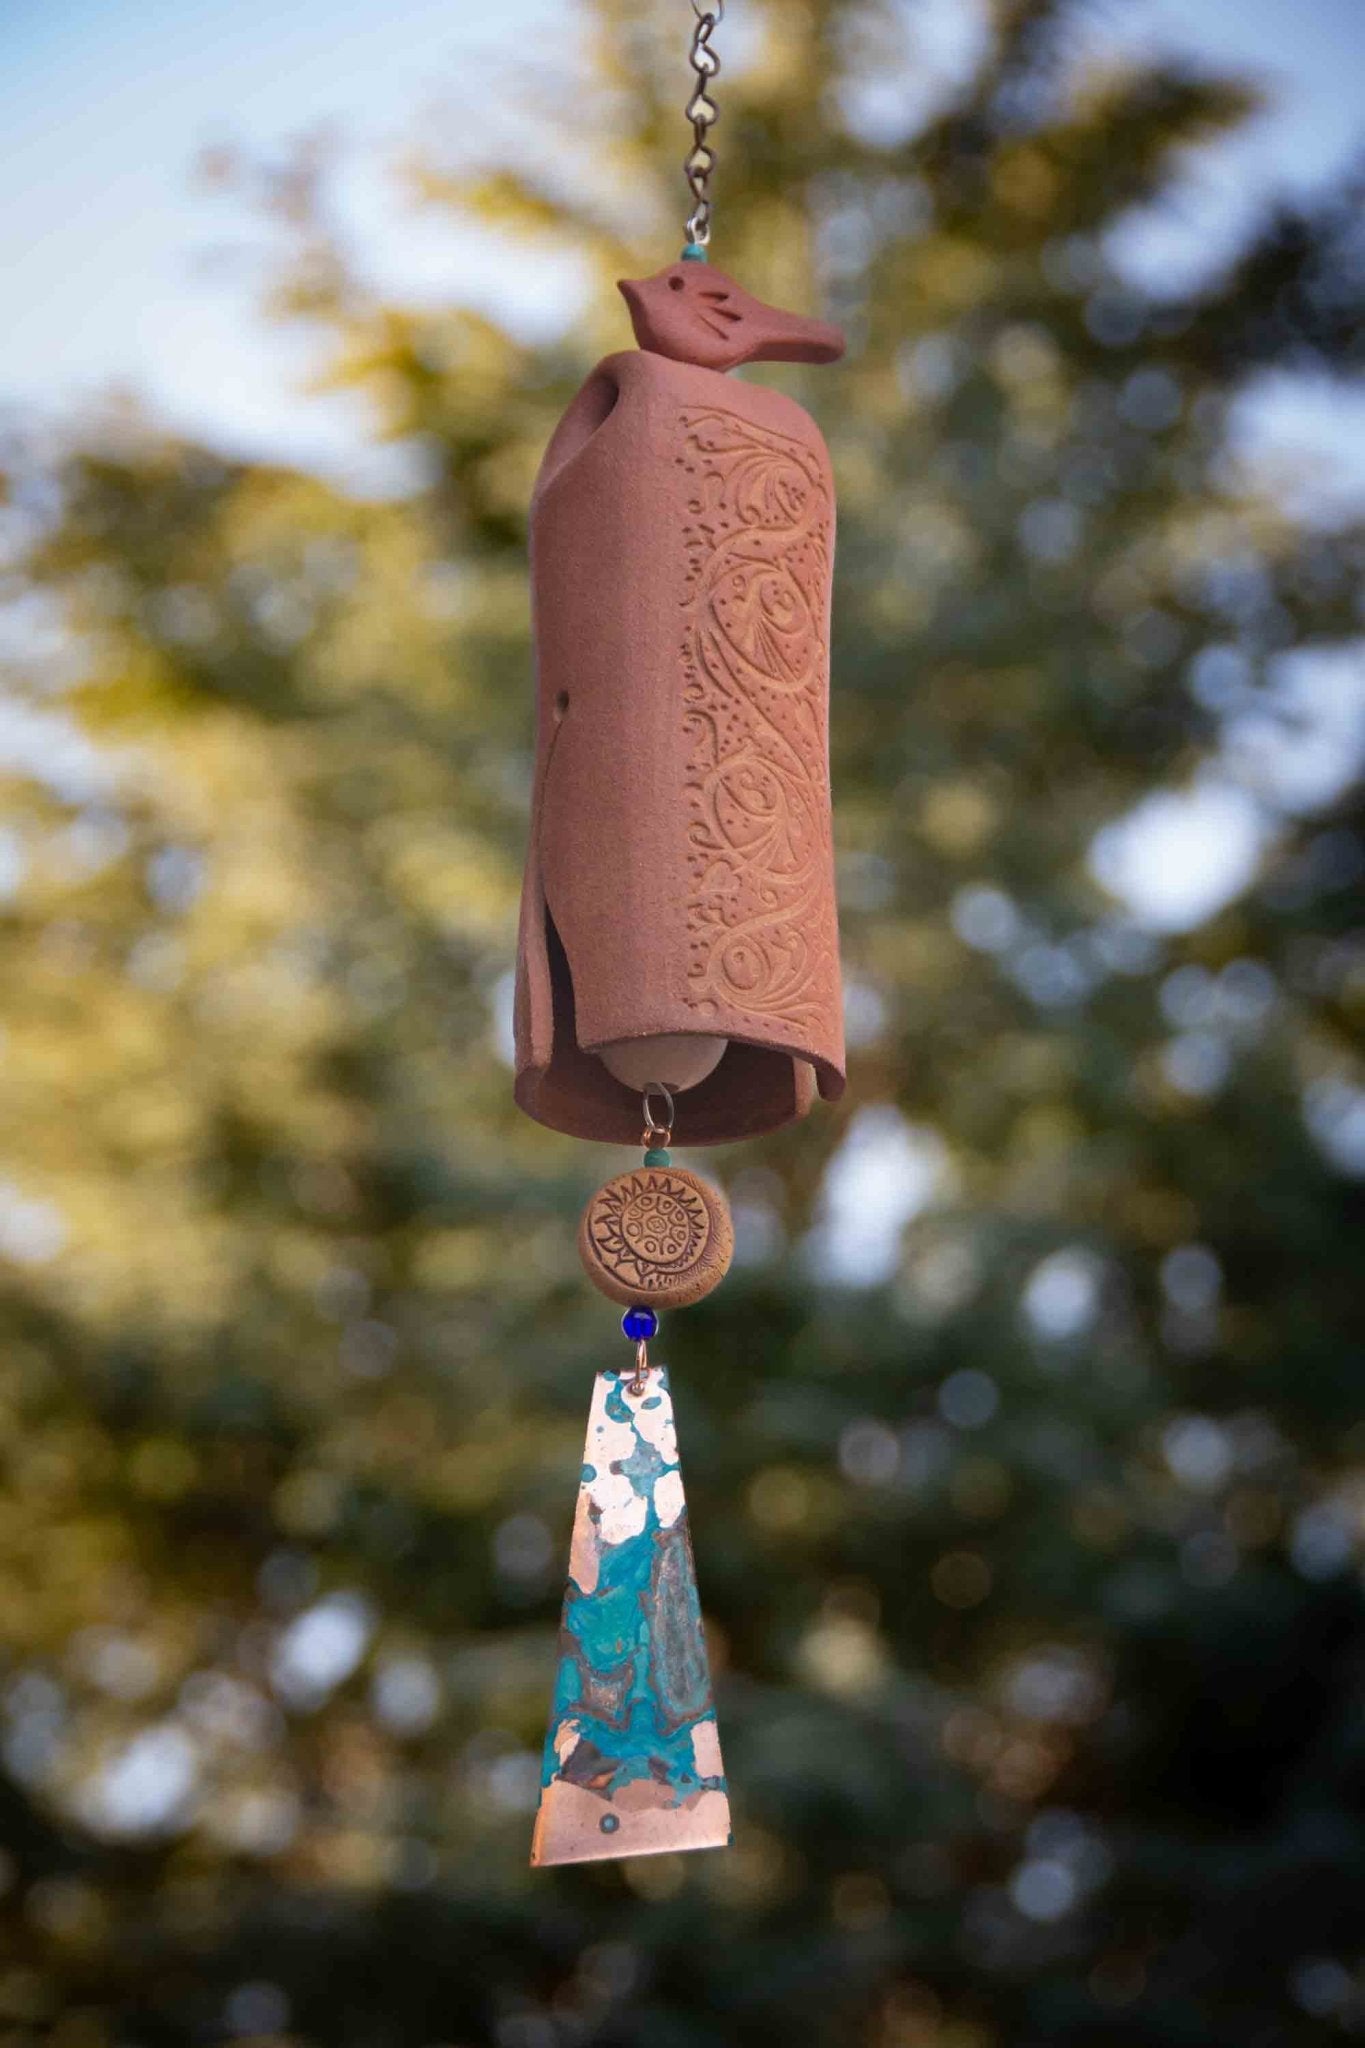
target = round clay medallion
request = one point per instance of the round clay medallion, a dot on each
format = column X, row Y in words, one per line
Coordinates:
column 658, row 1235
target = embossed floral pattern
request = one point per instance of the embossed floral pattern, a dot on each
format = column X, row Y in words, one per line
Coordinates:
column 760, row 922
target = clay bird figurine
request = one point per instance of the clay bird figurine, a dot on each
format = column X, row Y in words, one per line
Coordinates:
column 692, row 314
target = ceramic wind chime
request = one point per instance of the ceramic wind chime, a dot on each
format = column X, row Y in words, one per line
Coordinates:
column 678, row 939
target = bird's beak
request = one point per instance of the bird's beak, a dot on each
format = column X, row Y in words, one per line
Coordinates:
column 631, row 292
column 820, row 342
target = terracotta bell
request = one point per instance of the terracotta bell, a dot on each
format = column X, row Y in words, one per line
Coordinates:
column 678, row 918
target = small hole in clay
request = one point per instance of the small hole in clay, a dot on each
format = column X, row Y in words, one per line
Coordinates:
column 561, row 703
column 675, row 284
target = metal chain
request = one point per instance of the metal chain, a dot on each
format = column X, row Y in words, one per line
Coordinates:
column 701, row 112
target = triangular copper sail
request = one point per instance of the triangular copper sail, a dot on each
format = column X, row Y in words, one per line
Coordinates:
column 632, row 1758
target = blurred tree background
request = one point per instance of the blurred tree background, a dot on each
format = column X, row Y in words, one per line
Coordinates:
column 1023, row 1445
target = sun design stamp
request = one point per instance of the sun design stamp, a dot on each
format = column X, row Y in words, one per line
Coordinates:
column 659, row 1235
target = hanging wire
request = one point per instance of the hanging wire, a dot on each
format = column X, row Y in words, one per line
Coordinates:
column 658, row 1128
column 700, row 160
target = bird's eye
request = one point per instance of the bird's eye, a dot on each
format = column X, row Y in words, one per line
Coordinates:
column 675, row 284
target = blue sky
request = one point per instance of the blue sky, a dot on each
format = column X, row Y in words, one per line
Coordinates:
column 121, row 273
column 120, row 270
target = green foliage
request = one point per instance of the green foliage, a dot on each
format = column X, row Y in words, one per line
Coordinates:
column 1032, row 1568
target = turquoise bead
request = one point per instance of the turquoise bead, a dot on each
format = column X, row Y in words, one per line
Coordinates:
column 656, row 1156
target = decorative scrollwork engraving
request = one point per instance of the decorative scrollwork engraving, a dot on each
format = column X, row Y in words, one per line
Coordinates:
column 760, row 915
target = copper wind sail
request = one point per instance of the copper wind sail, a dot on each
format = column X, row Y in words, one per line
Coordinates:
column 632, row 1758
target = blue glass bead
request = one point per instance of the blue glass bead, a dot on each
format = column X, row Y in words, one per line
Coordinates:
column 693, row 252
column 640, row 1324
column 656, row 1156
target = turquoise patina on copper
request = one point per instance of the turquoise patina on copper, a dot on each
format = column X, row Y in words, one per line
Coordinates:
column 632, row 1757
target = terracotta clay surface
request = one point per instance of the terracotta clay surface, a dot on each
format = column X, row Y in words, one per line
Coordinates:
column 694, row 314
column 680, row 872
column 659, row 1236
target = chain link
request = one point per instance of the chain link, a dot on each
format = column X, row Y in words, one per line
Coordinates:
column 700, row 160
